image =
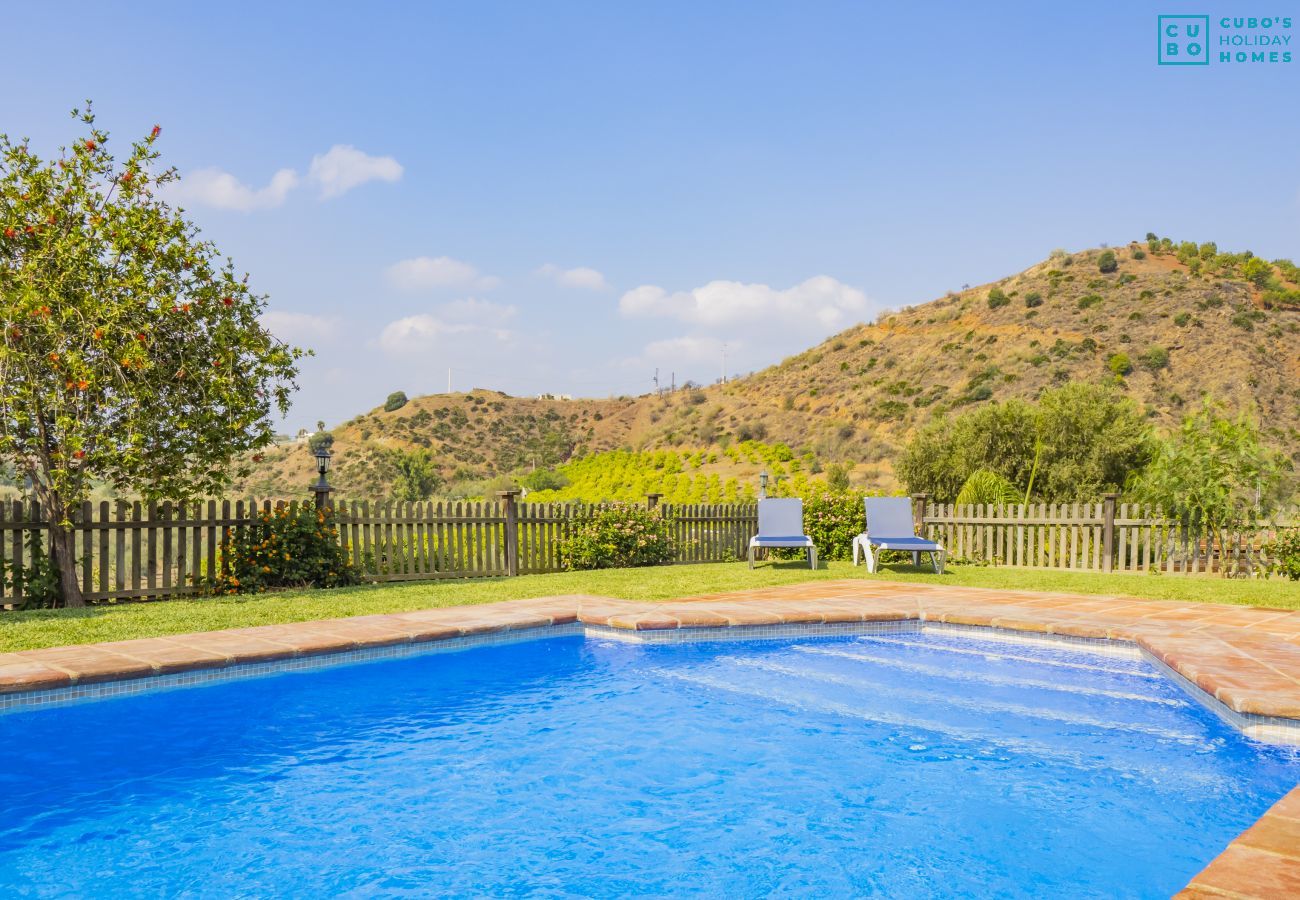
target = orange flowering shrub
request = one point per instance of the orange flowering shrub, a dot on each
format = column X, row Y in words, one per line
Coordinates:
column 287, row 547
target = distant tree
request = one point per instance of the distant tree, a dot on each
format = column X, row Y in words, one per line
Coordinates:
column 321, row 440
column 1214, row 469
column 1108, row 262
column 132, row 352
column 417, row 474
column 396, row 400
column 545, row 480
column 837, row 477
column 1257, row 272
column 1076, row 442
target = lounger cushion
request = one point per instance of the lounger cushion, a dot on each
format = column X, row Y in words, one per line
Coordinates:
column 793, row 540
column 903, row 543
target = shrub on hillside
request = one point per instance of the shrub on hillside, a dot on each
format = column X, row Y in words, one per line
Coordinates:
column 1154, row 358
column 396, row 400
column 284, row 548
column 1089, row 300
column 1120, row 364
column 998, row 298
column 1033, row 298
column 1284, row 550
column 1107, row 262
column 618, row 537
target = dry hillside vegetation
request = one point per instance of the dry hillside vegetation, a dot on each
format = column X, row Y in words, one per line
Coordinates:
column 1170, row 324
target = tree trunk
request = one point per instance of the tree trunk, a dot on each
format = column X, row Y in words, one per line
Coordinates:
column 64, row 551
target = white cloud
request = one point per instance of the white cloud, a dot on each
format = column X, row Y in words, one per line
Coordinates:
column 686, row 349
column 580, row 277
column 221, row 190
column 482, row 312
column 428, row 272
column 344, row 167
column 334, row 172
column 458, row 325
column 820, row 302
column 295, row 327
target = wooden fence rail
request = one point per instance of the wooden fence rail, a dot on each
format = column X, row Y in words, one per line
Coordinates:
column 133, row 550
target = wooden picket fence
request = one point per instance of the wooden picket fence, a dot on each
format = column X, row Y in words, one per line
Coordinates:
column 129, row 551
column 1097, row 537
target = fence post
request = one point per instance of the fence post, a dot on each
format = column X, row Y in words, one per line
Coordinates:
column 652, row 500
column 512, row 531
column 918, row 513
column 1108, row 531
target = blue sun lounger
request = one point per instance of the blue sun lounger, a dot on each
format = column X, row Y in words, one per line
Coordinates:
column 780, row 524
column 889, row 527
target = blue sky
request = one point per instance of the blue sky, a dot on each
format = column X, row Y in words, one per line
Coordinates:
column 565, row 196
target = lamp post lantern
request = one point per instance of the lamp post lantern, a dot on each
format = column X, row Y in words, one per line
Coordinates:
column 762, row 486
column 322, row 487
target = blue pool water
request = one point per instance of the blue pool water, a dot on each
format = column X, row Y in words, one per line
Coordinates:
column 904, row 765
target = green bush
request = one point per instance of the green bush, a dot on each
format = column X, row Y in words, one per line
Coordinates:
column 1107, row 262
column 618, row 537
column 1120, row 364
column 998, row 298
column 1033, row 298
column 396, row 400
column 1139, row 253
column 417, row 475
column 1182, row 319
column 284, row 548
column 833, row 519
column 1154, row 358
column 1284, row 549
column 1089, row 300
column 38, row 580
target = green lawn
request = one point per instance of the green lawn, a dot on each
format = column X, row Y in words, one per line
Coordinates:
column 48, row 628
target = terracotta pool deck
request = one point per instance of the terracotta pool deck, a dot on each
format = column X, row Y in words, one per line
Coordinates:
column 1248, row 659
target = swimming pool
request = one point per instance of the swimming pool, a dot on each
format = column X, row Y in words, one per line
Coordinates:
column 897, row 763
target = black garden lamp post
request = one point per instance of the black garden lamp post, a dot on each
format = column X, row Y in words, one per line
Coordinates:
column 322, row 487
column 762, row 486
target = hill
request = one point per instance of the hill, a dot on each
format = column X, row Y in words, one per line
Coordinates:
column 1168, row 322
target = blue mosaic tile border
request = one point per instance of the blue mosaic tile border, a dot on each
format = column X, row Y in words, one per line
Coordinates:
column 751, row 632
column 102, row 690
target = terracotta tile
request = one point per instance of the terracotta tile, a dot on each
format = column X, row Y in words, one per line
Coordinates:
column 236, row 646
column 1274, row 833
column 1248, row 872
column 18, row 673
column 697, row 618
column 89, row 663
column 165, row 655
column 1289, row 805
